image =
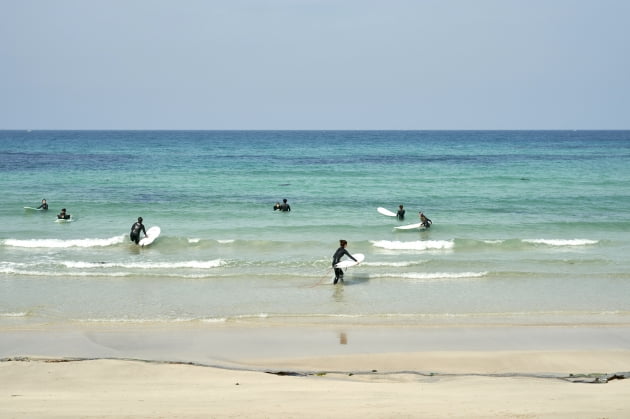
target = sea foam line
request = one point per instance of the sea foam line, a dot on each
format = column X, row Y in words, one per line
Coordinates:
column 58, row 243
column 394, row 264
column 414, row 245
column 562, row 242
column 431, row 276
column 11, row 314
column 192, row 264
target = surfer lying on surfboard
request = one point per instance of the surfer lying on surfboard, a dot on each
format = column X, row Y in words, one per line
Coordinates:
column 63, row 215
column 337, row 256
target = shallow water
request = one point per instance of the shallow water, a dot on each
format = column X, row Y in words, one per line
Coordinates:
column 529, row 226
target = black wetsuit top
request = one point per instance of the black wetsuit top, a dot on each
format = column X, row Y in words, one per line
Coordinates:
column 136, row 228
column 285, row 207
column 400, row 214
column 43, row 206
column 339, row 254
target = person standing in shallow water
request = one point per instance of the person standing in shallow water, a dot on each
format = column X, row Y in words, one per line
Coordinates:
column 44, row 205
column 136, row 228
column 284, row 207
column 337, row 257
column 401, row 213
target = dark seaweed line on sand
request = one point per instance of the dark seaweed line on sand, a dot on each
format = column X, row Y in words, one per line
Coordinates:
column 588, row 378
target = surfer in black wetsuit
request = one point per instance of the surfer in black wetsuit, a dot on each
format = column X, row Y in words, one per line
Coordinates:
column 425, row 221
column 44, row 205
column 337, row 257
column 136, row 228
column 277, row 206
column 63, row 215
column 401, row 213
column 284, row 207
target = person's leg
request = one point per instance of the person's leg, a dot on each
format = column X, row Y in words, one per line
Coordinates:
column 338, row 273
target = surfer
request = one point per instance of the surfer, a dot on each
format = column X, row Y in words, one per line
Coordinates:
column 136, row 228
column 401, row 213
column 277, row 206
column 44, row 205
column 425, row 221
column 285, row 206
column 336, row 258
column 63, row 215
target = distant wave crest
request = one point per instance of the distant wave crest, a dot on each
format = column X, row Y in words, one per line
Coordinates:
column 562, row 242
column 414, row 245
column 57, row 243
column 191, row 264
column 434, row 276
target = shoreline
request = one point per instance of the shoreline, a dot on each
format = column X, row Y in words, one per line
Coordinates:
column 258, row 346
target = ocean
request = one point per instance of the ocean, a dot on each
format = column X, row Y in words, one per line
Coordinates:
column 529, row 227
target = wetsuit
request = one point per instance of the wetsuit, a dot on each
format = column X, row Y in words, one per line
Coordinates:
column 136, row 228
column 400, row 214
column 425, row 221
column 43, row 206
column 336, row 258
column 285, row 207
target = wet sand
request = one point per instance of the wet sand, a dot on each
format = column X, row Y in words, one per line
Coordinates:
column 315, row 371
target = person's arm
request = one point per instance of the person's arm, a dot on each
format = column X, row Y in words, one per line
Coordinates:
column 349, row 255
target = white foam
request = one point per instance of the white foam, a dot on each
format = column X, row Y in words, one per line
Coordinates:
column 562, row 242
column 393, row 264
column 20, row 314
column 191, row 264
column 57, row 243
column 133, row 320
column 432, row 276
column 214, row 320
column 414, row 245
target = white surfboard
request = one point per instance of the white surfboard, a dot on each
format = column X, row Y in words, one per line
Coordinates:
column 411, row 227
column 64, row 220
column 385, row 211
column 152, row 234
column 349, row 262
column 33, row 209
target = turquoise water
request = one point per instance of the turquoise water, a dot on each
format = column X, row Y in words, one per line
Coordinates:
column 529, row 226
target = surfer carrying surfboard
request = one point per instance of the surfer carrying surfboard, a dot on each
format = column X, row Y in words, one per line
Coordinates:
column 136, row 228
column 336, row 258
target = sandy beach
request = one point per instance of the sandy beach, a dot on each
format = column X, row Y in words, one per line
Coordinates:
column 315, row 371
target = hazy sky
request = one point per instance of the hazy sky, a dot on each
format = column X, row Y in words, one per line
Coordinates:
column 315, row 64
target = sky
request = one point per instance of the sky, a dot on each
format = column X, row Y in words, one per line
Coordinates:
column 315, row 64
